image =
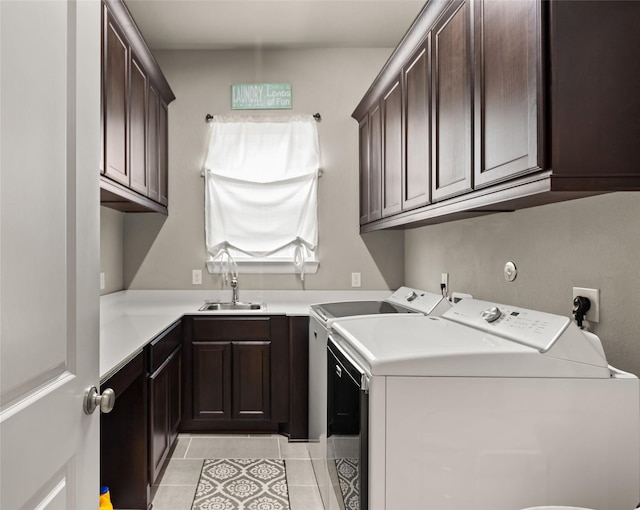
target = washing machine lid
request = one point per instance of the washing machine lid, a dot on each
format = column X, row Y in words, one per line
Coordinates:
column 356, row 308
column 404, row 300
column 428, row 346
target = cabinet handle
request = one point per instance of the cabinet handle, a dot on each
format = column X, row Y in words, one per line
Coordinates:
column 338, row 371
column 315, row 334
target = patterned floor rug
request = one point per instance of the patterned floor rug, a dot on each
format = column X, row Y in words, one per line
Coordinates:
column 347, row 469
column 242, row 484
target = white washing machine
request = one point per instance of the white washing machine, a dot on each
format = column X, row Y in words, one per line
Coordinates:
column 404, row 301
column 488, row 407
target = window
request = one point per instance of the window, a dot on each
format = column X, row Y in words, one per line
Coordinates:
column 261, row 188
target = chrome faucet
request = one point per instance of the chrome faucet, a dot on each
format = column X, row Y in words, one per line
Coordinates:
column 234, row 289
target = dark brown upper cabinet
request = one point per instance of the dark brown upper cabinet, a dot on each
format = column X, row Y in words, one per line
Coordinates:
column 393, row 157
column 371, row 164
column 452, row 102
column 158, row 168
column 153, row 171
column 363, row 137
column 115, row 104
column 135, row 99
column 507, row 47
column 416, row 185
column 593, row 72
column 137, row 142
column 163, row 152
column 375, row 163
column 527, row 103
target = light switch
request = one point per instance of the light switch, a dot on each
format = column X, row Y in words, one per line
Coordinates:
column 196, row 277
column 355, row 280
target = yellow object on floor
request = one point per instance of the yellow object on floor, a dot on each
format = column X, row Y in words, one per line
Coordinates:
column 105, row 499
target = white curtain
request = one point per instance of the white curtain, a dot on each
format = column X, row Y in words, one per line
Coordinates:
column 261, row 190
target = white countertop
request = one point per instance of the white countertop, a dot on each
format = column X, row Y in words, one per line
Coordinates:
column 130, row 319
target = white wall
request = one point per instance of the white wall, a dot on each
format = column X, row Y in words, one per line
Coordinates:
column 592, row 242
column 160, row 252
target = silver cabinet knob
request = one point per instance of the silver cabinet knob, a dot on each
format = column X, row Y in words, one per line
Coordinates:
column 93, row 399
column 492, row 314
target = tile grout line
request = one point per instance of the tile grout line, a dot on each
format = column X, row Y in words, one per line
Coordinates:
column 177, row 484
column 187, row 448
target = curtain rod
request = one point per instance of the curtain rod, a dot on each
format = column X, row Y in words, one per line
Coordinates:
column 208, row 117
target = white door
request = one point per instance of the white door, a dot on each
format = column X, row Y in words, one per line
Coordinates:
column 49, row 252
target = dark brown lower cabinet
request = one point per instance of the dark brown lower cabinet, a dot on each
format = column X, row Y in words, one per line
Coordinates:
column 164, row 395
column 123, row 438
column 210, row 381
column 236, row 374
column 298, row 427
column 202, row 373
column 231, row 380
column 164, row 410
column 251, row 380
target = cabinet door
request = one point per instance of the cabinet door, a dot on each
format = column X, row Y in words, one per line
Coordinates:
column 237, row 373
column 375, row 163
column 452, row 101
column 174, row 396
column 416, row 186
column 392, row 154
column 251, row 380
column 507, row 49
column 159, row 420
column 393, row 157
column 163, row 152
column 153, row 171
column 212, row 380
column 138, row 127
column 281, row 352
column 363, row 131
column 124, row 454
column 115, row 76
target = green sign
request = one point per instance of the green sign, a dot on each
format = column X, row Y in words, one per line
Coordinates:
column 261, row 96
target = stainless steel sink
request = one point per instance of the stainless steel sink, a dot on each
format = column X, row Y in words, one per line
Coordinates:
column 231, row 306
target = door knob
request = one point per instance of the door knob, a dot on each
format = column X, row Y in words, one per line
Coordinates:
column 93, row 399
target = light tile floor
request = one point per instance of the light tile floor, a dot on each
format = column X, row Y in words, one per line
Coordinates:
column 176, row 485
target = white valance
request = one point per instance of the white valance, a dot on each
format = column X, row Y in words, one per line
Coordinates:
column 261, row 179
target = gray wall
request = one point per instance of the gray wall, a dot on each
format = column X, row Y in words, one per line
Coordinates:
column 112, row 249
column 592, row 242
column 160, row 252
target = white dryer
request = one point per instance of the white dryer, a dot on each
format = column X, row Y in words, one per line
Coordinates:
column 488, row 407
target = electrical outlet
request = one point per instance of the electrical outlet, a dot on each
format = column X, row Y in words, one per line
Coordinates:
column 102, row 284
column 196, row 277
column 593, row 315
column 355, row 280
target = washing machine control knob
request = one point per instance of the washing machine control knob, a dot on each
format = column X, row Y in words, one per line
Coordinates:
column 411, row 296
column 492, row 314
